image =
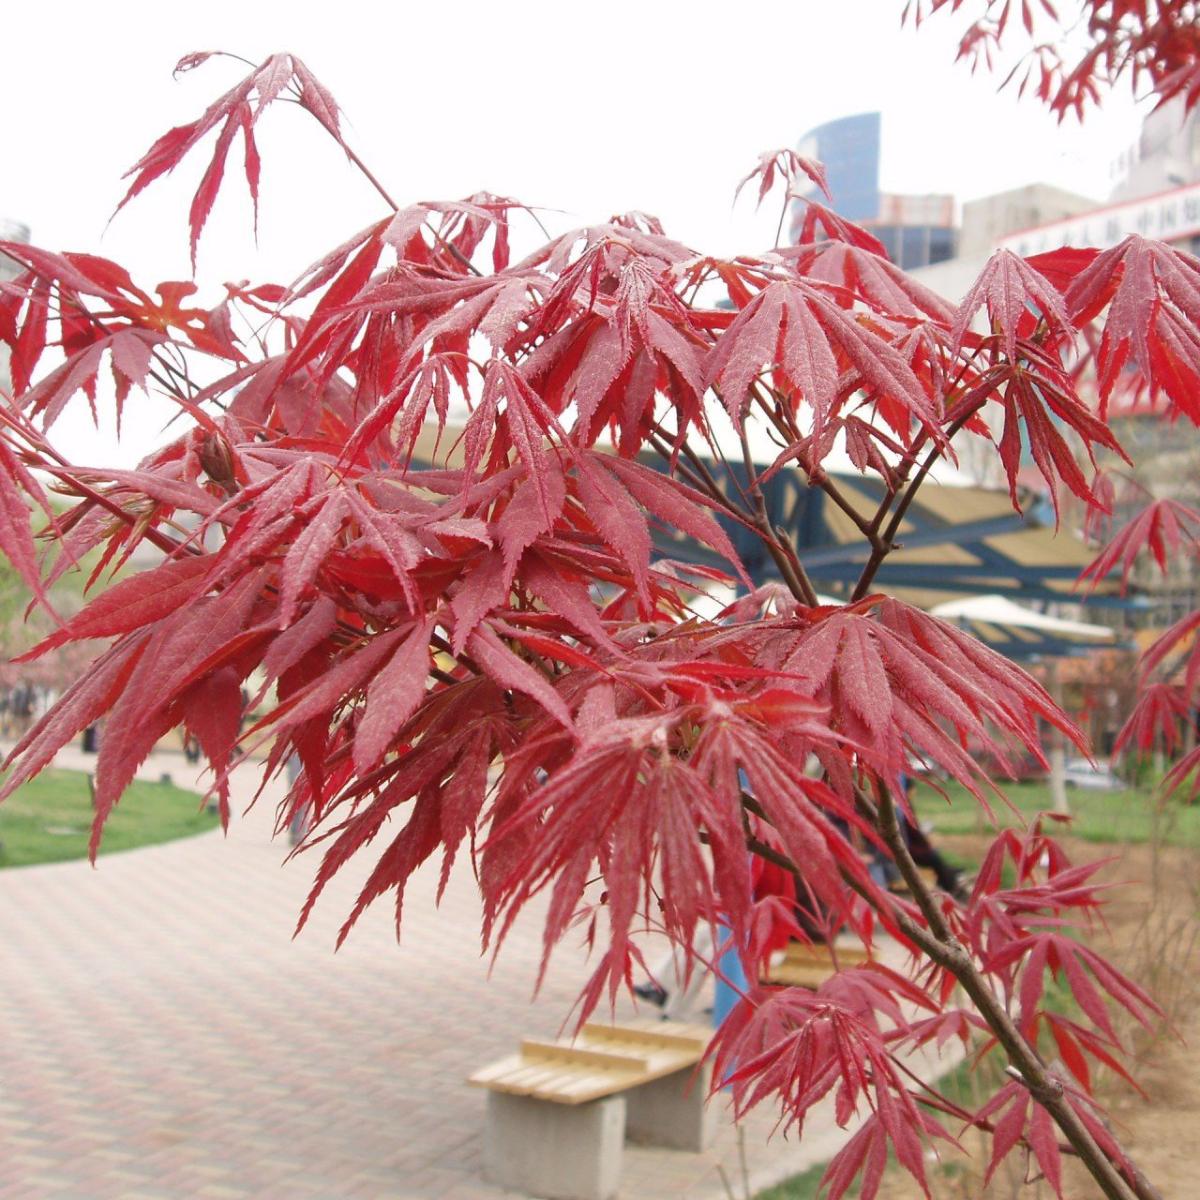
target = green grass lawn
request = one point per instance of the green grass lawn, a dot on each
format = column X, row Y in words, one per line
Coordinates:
column 1126, row 816
column 49, row 819
column 799, row 1187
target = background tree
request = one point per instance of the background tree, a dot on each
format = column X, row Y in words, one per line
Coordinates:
column 483, row 651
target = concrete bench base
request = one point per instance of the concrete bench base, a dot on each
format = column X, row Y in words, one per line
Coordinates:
column 558, row 1151
column 573, row 1152
column 672, row 1111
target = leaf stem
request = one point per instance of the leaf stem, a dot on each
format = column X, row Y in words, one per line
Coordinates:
column 816, row 478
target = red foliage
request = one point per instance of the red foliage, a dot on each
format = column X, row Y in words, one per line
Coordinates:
column 463, row 632
column 1155, row 44
column 1164, row 527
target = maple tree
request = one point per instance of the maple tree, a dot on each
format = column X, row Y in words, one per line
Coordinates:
column 476, row 649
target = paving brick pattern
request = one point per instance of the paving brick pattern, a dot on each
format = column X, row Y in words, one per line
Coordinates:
column 162, row 1035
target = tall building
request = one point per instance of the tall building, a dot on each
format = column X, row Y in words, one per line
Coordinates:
column 10, row 231
column 915, row 230
column 848, row 149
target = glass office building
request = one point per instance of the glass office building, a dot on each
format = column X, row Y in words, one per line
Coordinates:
column 849, row 150
column 916, row 231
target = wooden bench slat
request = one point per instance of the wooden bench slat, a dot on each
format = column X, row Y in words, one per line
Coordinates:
column 851, row 955
column 602, row 1060
column 486, row 1076
column 662, row 1062
column 585, row 1056
column 538, row 1081
column 792, row 976
column 579, row 1089
column 521, row 1079
column 656, row 1025
column 805, row 965
column 656, row 1038
column 928, row 874
column 521, row 1076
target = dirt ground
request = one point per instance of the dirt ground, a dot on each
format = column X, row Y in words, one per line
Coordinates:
column 1153, row 933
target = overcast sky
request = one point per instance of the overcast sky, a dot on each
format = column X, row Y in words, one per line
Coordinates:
column 585, row 107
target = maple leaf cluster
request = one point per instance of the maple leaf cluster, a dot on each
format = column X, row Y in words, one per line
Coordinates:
column 1154, row 44
column 410, row 525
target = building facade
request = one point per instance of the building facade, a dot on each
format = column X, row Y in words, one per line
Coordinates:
column 1157, row 196
column 1166, row 155
column 916, row 231
column 986, row 222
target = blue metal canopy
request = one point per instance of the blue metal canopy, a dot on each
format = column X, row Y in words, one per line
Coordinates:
column 954, row 541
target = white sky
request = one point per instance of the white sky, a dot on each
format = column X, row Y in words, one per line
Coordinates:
column 591, row 108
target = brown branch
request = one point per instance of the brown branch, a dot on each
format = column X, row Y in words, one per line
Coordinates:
column 831, row 489
column 882, row 546
column 166, row 544
column 789, row 566
column 697, row 474
column 787, row 428
column 938, row 943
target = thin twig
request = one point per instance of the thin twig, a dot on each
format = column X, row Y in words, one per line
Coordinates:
column 884, row 545
column 938, row 943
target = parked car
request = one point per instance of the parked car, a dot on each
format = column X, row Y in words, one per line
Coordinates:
column 1094, row 776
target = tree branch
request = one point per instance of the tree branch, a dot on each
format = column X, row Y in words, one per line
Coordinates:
column 789, row 566
column 942, row 947
column 938, row 943
column 882, row 546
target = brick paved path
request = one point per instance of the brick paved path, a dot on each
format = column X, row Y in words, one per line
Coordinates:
column 162, row 1036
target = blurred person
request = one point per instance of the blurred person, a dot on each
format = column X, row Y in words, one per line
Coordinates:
column 924, row 854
